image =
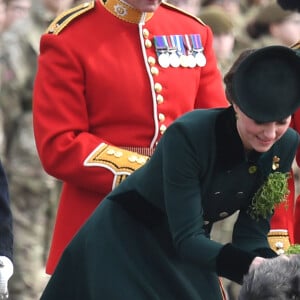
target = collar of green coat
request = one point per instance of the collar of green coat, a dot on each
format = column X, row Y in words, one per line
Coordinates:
column 230, row 149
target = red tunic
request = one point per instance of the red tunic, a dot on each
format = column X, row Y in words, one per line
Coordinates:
column 285, row 224
column 282, row 222
column 297, row 221
column 296, row 126
column 99, row 81
column 289, row 219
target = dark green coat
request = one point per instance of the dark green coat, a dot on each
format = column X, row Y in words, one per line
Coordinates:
column 149, row 239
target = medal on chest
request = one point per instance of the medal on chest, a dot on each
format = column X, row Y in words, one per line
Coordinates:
column 180, row 51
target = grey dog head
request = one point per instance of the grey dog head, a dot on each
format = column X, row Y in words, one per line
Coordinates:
column 274, row 279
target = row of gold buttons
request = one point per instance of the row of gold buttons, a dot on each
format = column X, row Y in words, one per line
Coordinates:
column 133, row 158
column 157, row 86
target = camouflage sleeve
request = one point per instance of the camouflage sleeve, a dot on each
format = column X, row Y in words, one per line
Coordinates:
column 11, row 87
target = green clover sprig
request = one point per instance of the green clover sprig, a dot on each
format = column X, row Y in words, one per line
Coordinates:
column 293, row 249
column 273, row 192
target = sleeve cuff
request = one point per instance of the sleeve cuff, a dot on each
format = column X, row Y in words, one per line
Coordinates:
column 233, row 263
column 265, row 252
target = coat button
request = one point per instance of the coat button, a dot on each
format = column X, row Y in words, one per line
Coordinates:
column 151, row 61
column 252, row 169
column 157, row 87
column 145, row 33
column 240, row 195
column 160, row 99
column 148, row 43
column 154, row 71
column 161, row 117
column 223, row 214
column 162, row 129
column 132, row 158
column 118, row 154
column 141, row 160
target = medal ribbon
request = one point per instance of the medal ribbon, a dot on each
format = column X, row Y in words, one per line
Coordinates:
column 196, row 42
column 160, row 43
column 180, row 44
column 171, row 43
column 187, row 43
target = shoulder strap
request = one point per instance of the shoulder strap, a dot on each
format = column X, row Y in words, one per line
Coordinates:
column 61, row 21
column 182, row 11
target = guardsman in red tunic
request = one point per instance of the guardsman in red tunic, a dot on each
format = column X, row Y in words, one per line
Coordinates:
column 281, row 235
column 296, row 126
column 285, row 224
column 112, row 75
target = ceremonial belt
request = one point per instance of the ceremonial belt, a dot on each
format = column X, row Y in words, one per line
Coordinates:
column 140, row 150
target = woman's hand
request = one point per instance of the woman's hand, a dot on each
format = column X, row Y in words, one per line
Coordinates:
column 256, row 261
column 6, row 271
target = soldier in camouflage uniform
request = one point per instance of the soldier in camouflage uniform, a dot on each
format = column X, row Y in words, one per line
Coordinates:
column 272, row 25
column 2, row 15
column 222, row 27
column 2, row 28
column 16, row 10
column 33, row 192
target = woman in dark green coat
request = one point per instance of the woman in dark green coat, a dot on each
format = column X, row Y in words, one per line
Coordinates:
column 149, row 238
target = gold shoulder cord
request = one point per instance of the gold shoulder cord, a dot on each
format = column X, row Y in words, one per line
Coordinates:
column 296, row 46
column 62, row 20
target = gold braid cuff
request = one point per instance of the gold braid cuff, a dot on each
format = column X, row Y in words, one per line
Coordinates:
column 279, row 241
column 119, row 161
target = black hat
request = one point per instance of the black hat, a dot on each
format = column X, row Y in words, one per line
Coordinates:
column 266, row 84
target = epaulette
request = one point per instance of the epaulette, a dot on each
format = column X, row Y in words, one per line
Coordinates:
column 182, row 11
column 296, row 46
column 62, row 20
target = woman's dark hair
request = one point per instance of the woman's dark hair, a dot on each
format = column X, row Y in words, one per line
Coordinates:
column 228, row 78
